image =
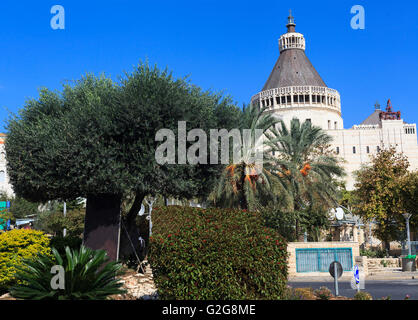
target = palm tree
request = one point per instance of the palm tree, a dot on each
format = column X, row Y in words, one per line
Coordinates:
column 246, row 183
column 304, row 166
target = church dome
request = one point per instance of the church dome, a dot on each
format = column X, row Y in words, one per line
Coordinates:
column 293, row 67
column 295, row 89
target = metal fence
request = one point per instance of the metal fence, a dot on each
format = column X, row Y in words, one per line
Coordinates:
column 318, row 260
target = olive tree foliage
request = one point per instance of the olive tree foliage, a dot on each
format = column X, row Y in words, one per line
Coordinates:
column 96, row 139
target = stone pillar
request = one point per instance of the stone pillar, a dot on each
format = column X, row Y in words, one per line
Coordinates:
column 355, row 233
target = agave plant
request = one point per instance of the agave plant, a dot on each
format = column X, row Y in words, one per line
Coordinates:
column 89, row 275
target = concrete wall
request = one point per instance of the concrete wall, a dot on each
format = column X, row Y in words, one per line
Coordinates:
column 292, row 246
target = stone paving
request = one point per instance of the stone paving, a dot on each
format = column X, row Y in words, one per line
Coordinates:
column 139, row 286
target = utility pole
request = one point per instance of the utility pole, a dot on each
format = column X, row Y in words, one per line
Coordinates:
column 407, row 216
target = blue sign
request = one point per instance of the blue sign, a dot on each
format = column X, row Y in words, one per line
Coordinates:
column 356, row 274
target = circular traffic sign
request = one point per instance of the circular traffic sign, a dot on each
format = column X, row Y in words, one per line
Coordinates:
column 336, row 265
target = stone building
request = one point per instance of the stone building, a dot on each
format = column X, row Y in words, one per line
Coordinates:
column 5, row 186
column 295, row 89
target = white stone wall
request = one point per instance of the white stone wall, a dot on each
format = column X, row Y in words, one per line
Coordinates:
column 5, row 185
column 367, row 139
column 319, row 117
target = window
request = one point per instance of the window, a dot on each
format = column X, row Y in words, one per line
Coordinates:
column 309, row 120
column 335, row 125
column 368, row 149
column 283, row 100
column 338, row 150
column 307, row 99
column 354, row 150
column 277, row 100
column 329, row 124
column 289, row 99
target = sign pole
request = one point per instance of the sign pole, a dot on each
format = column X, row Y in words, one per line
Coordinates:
column 336, row 280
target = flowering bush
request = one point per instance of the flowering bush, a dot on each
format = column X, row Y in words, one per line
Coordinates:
column 216, row 254
column 301, row 294
column 16, row 245
column 363, row 295
column 323, row 293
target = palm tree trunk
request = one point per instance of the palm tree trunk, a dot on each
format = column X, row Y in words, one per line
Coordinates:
column 243, row 196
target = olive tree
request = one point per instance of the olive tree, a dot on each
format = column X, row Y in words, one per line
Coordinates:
column 96, row 139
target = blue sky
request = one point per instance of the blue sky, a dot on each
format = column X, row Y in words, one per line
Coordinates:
column 223, row 45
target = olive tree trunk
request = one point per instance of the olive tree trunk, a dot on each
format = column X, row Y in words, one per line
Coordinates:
column 130, row 233
column 102, row 224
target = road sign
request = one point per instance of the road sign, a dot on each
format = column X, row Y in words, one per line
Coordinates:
column 336, row 271
column 356, row 274
column 336, row 267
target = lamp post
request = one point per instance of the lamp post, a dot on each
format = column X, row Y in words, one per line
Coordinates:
column 407, row 216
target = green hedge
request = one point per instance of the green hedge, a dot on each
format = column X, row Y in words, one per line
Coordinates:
column 216, row 254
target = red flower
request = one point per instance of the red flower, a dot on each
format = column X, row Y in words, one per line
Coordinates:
column 169, row 235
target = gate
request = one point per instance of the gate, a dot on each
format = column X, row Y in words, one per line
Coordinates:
column 318, row 260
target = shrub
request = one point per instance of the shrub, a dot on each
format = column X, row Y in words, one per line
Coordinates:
column 88, row 276
column 304, row 293
column 74, row 222
column 323, row 293
column 16, row 245
column 60, row 243
column 363, row 295
column 216, row 254
column 374, row 253
column 54, row 222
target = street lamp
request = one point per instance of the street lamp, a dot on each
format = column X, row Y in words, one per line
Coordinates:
column 407, row 216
